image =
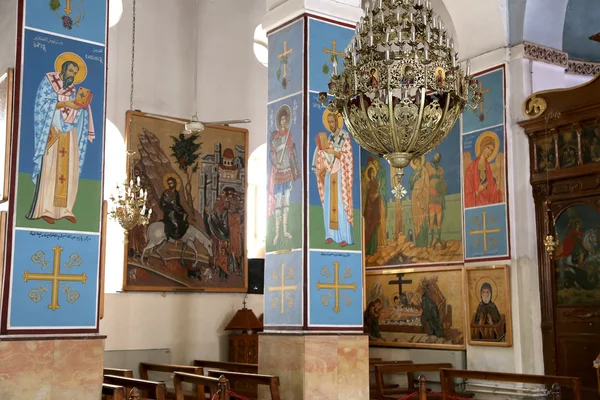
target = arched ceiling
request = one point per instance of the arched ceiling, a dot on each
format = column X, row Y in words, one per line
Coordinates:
column 581, row 21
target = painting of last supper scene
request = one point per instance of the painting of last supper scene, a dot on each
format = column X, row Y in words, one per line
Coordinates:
column 421, row 308
column 194, row 239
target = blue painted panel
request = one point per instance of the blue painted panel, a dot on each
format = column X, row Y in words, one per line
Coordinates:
column 286, row 60
column 81, row 19
column 485, row 232
column 491, row 110
column 284, row 188
column 42, row 54
column 329, row 269
column 283, row 289
column 321, row 36
column 31, row 301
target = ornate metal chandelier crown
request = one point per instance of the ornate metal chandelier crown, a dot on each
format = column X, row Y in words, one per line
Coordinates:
column 401, row 90
column 130, row 205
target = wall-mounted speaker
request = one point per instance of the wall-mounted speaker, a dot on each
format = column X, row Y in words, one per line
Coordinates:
column 256, row 275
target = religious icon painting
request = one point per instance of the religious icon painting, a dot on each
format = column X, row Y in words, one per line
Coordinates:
column 334, row 181
column 490, row 111
column 6, row 111
column 545, row 154
column 326, row 44
column 440, row 76
column 195, row 239
column 335, row 294
column 486, row 232
column 568, row 149
column 284, row 166
column 284, row 291
column 408, row 74
column 484, row 164
column 54, row 281
column 488, row 306
column 419, row 308
column 286, row 55
column 59, row 179
column 576, row 257
column 80, row 19
column 424, row 227
column 590, row 144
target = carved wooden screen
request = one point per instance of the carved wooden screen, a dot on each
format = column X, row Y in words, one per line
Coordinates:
column 564, row 143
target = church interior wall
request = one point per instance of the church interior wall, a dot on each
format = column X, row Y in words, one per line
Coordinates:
column 8, row 27
column 231, row 84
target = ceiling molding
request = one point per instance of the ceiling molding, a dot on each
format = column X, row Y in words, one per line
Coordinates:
column 534, row 51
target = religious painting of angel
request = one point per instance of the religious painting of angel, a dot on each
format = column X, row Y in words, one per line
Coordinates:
column 196, row 190
column 423, row 309
column 484, row 168
column 577, row 257
column 488, row 296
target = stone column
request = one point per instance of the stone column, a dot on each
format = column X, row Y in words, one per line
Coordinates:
column 313, row 337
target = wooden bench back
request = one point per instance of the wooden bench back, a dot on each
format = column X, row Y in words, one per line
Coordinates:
column 207, row 384
column 127, row 373
column 115, row 392
column 227, row 366
column 151, row 389
column 251, row 379
column 171, row 369
column 382, row 369
column 448, row 376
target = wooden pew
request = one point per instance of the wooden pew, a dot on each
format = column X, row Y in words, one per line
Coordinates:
column 383, row 393
column 448, row 375
column 379, row 361
column 250, row 379
column 227, row 366
column 209, row 384
column 113, row 392
column 126, row 373
column 151, row 389
column 171, row 369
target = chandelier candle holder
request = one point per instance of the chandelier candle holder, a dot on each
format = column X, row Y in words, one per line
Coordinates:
column 550, row 242
column 402, row 88
column 130, row 205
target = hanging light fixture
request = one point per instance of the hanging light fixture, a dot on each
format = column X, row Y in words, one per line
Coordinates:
column 402, row 89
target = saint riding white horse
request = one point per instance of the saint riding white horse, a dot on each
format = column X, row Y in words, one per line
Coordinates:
column 157, row 238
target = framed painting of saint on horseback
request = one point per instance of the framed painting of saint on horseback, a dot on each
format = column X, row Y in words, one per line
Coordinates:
column 195, row 238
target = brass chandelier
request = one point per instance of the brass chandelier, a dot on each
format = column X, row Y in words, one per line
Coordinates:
column 402, row 89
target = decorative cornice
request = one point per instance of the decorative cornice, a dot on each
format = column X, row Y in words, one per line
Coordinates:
column 583, row 68
column 534, row 51
column 549, row 55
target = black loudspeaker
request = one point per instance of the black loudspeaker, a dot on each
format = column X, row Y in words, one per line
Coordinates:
column 256, row 275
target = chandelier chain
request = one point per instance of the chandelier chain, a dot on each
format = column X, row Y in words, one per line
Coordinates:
column 132, row 57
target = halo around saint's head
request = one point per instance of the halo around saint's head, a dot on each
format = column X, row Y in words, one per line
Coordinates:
column 337, row 115
column 68, row 56
column 412, row 162
column 283, row 110
column 174, row 176
column 492, row 283
column 487, row 137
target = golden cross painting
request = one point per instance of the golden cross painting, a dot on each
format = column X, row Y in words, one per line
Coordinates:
column 283, row 289
column 196, row 183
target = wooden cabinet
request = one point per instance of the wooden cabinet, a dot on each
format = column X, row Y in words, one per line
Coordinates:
column 564, row 143
column 243, row 348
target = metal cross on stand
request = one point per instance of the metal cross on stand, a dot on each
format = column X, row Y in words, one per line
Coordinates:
column 399, row 282
column 286, row 51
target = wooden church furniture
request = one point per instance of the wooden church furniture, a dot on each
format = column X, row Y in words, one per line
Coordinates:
column 448, row 376
column 171, row 369
column 151, row 389
column 382, row 393
column 563, row 132
column 113, row 392
column 134, row 394
column 243, row 348
column 251, row 381
column 127, row 373
column 379, row 361
column 210, row 385
column 227, row 366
